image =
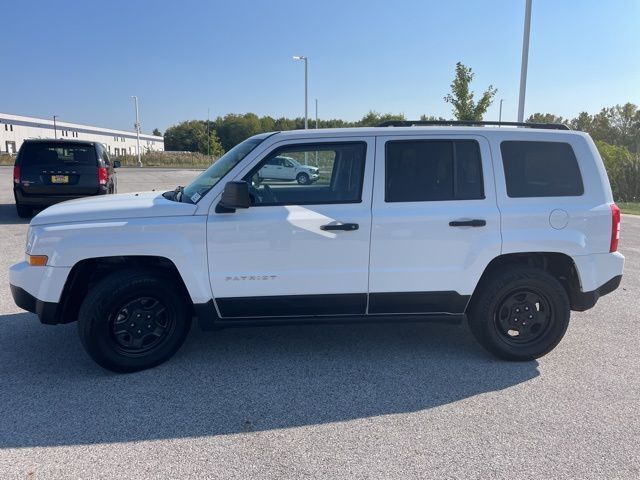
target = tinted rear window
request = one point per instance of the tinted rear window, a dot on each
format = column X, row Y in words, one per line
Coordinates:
column 431, row 170
column 57, row 154
column 541, row 169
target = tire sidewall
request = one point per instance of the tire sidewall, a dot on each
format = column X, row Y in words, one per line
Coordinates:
column 302, row 178
column 114, row 292
column 483, row 316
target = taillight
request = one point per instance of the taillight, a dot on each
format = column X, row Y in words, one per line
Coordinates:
column 615, row 227
column 16, row 174
column 103, row 175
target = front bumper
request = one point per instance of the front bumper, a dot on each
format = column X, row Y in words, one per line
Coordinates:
column 38, row 289
column 47, row 311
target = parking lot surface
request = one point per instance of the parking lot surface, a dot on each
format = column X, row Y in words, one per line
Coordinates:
column 379, row 401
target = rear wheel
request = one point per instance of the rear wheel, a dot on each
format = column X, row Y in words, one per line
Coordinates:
column 522, row 313
column 24, row 211
column 133, row 320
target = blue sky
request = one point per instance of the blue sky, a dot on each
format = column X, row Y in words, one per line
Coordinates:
column 82, row 60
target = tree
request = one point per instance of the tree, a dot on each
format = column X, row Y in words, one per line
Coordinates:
column 157, row 132
column 623, row 169
column 191, row 136
column 464, row 107
column 373, row 119
column 545, row 118
column 431, row 118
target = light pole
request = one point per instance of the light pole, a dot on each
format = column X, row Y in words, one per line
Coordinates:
column 500, row 114
column 137, row 126
column 306, row 84
column 55, row 130
column 208, row 142
column 525, row 60
column 316, row 129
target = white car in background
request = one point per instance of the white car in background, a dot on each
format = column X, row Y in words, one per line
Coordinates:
column 287, row 168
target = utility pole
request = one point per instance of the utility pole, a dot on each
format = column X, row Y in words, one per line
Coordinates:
column 55, row 130
column 306, row 87
column 500, row 115
column 137, row 126
column 316, row 129
column 525, row 60
column 208, row 140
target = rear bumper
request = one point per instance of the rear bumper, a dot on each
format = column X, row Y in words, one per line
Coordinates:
column 582, row 301
column 46, row 200
column 599, row 275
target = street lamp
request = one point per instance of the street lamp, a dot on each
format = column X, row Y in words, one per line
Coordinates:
column 316, row 113
column 306, row 116
column 55, row 130
column 137, row 127
column 500, row 114
column 525, row 60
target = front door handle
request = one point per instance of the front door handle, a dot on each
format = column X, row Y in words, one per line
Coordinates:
column 468, row 223
column 349, row 227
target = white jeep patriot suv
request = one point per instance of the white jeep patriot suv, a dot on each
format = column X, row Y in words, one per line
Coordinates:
column 510, row 228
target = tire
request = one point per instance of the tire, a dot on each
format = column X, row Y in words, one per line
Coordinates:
column 138, row 296
column 302, row 179
column 24, row 211
column 520, row 314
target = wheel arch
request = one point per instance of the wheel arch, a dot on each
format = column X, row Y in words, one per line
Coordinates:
column 560, row 265
column 89, row 271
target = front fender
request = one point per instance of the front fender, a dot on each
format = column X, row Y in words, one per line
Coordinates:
column 180, row 239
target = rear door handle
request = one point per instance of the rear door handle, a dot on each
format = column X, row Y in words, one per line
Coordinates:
column 349, row 227
column 468, row 223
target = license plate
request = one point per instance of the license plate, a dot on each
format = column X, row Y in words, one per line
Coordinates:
column 59, row 178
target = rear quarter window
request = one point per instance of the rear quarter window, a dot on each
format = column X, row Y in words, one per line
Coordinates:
column 540, row 169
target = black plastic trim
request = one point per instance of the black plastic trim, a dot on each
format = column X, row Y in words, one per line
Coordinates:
column 293, row 305
column 581, row 301
column 417, row 302
column 47, row 311
column 208, row 319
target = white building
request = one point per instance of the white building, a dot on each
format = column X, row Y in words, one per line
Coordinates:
column 14, row 129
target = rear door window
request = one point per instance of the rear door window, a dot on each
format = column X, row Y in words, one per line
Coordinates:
column 540, row 169
column 60, row 154
column 433, row 170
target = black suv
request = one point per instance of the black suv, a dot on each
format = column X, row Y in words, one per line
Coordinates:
column 52, row 171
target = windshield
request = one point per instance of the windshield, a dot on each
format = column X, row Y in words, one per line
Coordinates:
column 212, row 175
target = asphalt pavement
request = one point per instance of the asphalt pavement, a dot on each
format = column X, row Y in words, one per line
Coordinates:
column 356, row 402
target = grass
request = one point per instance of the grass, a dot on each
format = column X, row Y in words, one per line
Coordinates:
column 629, row 207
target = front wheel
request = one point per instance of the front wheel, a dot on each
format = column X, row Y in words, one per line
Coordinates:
column 133, row 320
column 521, row 313
column 302, row 178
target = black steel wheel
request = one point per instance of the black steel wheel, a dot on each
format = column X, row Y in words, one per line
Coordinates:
column 520, row 313
column 140, row 325
column 133, row 320
column 523, row 316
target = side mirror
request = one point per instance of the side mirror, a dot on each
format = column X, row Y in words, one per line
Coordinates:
column 116, row 164
column 235, row 195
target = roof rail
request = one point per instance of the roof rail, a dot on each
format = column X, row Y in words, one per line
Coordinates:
column 471, row 123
